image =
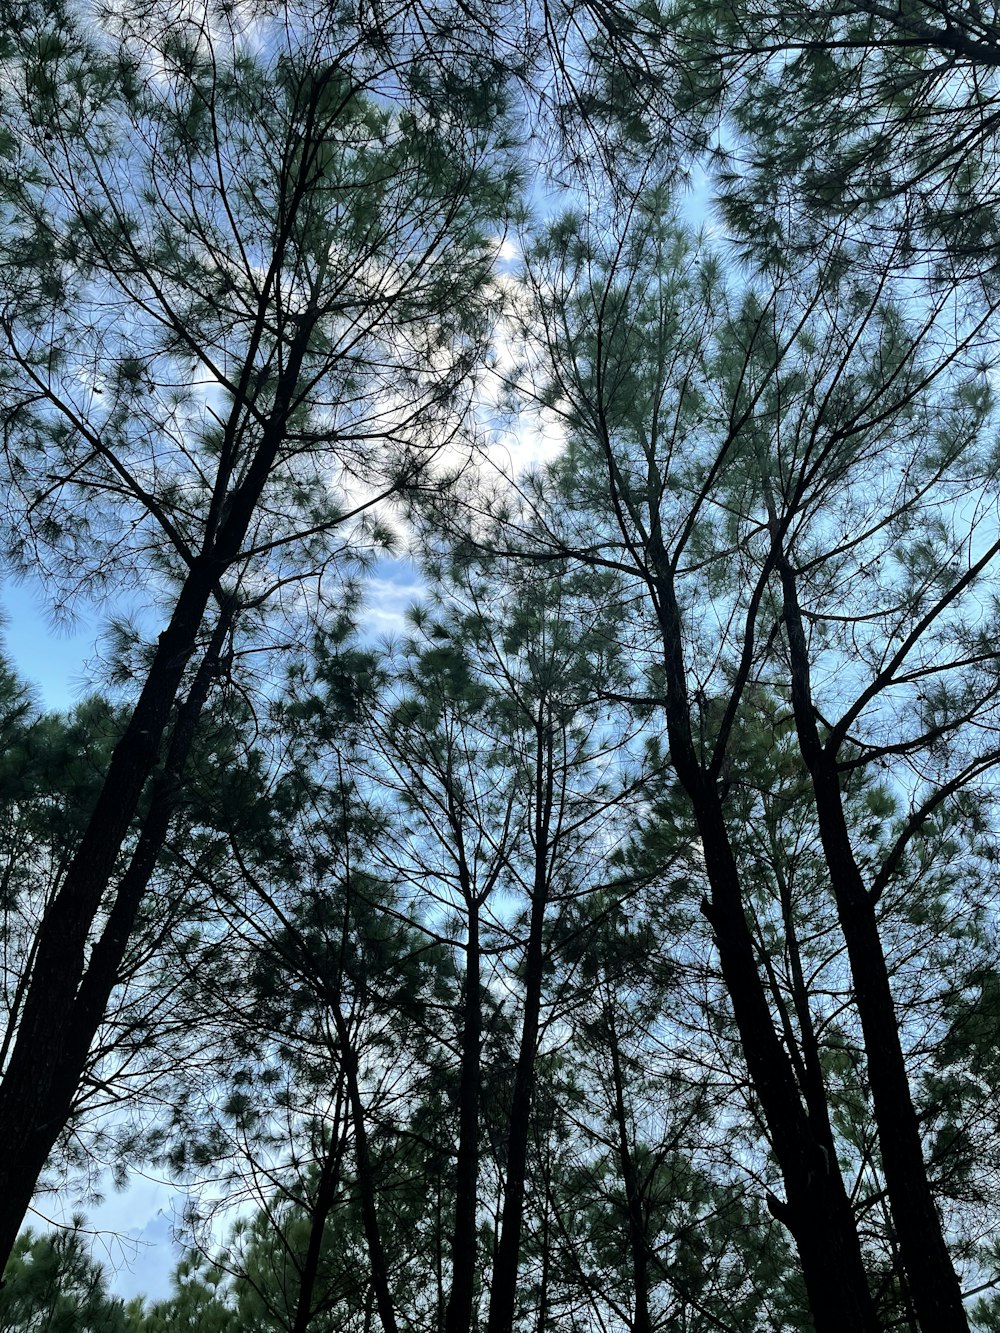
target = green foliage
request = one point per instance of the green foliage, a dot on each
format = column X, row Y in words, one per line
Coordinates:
column 262, row 256
column 52, row 1285
column 199, row 1302
column 225, row 198
column 860, row 121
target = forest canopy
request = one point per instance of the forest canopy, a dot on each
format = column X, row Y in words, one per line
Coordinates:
column 612, row 944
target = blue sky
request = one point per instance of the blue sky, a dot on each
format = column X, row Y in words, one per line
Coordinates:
column 133, row 1237
column 50, row 657
column 58, row 659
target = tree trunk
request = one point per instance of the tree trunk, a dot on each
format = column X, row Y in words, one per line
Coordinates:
column 46, row 1077
column 503, row 1293
column 49, row 1052
column 458, row 1317
column 542, row 1316
column 816, row 1210
column 930, row 1273
column 933, row 1283
column 326, row 1193
column 366, row 1178
column 638, row 1247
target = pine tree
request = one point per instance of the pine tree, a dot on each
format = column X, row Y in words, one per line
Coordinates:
column 239, row 288
column 765, row 463
column 52, row 1283
column 862, row 120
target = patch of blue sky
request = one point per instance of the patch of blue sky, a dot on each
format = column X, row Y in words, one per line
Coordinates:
column 393, row 586
column 59, row 658
column 132, row 1233
column 134, row 1238
column 58, row 654
column 50, row 655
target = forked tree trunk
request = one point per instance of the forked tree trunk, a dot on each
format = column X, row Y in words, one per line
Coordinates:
column 68, row 994
column 503, row 1293
column 816, row 1209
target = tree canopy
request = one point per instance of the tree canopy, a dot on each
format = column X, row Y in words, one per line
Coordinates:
column 608, row 939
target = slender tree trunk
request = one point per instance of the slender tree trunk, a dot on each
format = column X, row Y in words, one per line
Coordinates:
column 108, row 953
column 326, row 1193
column 638, row 1247
column 51, row 1083
column 933, row 1283
column 458, row 1317
column 930, row 1273
column 814, row 1090
column 49, row 1052
column 542, row 1316
column 816, row 1210
column 503, row 1293
column 366, row 1178
column 362, row 1157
